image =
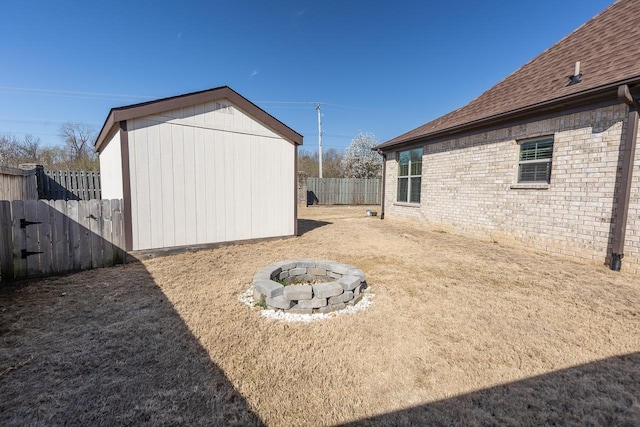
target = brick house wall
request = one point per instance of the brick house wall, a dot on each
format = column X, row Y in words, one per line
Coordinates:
column 469, row 186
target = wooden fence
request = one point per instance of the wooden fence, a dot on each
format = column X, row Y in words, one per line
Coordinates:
column 68, row 185
column 17, row 184
column 343, row 191
column 39, row 237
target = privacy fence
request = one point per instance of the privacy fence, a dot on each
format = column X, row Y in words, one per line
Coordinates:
column 68, row 185
column 343, row 191
column 40, row 237
column 34, row 182
column 18, row 184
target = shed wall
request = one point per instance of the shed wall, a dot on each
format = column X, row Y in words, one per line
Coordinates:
column 469, row 186
column 208, row 174
column 111, row 169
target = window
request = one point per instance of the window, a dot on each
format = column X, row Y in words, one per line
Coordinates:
column 535, row 160
column 409, row 175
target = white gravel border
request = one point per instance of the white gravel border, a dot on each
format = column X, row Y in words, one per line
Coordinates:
column 247, row 298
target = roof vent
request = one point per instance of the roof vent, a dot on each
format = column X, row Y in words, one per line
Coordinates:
column 577, row 75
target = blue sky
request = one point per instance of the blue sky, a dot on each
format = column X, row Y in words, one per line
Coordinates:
column 376, row 66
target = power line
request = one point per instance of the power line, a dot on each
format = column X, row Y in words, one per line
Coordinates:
column 40, row 122
column 285, row 102
column 55, row 92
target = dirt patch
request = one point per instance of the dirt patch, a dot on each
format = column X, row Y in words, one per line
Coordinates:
column 462, row 331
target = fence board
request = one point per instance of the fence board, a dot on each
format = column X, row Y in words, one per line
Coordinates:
column 344, row 191
column 95, row 219
column 6, row 254
column 19, row 239
column 61, row 236
column 106, row 233
column 44, row 237
column 117, row 236
column 74, row 235
column 31, row 237
column 84, row 227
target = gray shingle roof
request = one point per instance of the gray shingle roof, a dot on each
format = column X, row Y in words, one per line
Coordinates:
column 607, row 46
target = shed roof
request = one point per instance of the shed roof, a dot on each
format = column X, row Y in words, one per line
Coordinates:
column 128, row 112
column 608, row 48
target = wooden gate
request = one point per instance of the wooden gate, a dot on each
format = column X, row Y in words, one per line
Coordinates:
column 40, row 237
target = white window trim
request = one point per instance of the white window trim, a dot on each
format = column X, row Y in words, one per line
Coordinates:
column 408, row 176
column 538, row 185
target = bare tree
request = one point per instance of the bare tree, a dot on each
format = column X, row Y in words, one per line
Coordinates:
column 8, row 150
column 308, row 162
column 332, row 164
column 78, row 138
column 29, row 149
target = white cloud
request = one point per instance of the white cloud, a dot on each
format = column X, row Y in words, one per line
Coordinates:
column 253, row 73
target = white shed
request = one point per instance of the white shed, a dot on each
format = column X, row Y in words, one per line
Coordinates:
column 198, row 169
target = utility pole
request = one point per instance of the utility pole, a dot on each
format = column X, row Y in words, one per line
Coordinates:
column 319, row 141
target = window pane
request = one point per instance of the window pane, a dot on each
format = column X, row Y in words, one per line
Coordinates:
column 416, row 155
column 535, row 172
column 536, row 150
column 416, row 168
column 403, row 169
column 403, row 183
column 415, row 190
column 544, row 150
column 404, row 157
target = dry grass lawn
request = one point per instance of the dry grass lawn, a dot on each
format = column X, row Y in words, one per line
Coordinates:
column 461, row 331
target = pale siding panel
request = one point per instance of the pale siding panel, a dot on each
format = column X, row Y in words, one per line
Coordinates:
column 289, row 188
column 201, row 180
column 215, row 188
column 273, row 188
column 275, row 227
column 259, row 187
column 164, row 143
column 219, row 189
column 227, row 193
column 140, row 194
column 229, row 118
column 155, row 134
column 111, row 169
column 273, row 210
column 210, row 114
column 135, row 198
column 179, row 185
column 191, row 181
column 243, row 180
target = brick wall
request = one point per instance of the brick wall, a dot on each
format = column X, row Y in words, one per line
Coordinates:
column 469, row 186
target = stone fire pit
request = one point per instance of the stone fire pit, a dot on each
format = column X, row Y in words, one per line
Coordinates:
column 308, row 286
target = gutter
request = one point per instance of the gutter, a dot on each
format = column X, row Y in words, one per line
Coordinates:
column 628, row 156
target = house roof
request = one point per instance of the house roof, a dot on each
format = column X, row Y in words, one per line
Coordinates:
column 128, row 112
column 608, row 48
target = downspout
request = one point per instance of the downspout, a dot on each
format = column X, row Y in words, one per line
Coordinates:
column 384, row 181
column 620, row 228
